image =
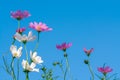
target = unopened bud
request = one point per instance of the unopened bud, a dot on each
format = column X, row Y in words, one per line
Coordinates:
column 56, row 63
column 43, row 76
column 86, row 61
column 43, row 69
column 65, row 55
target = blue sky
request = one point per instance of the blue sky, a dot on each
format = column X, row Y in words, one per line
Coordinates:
column 85, row 23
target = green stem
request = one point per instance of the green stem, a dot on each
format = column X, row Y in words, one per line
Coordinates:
column 104, row 77
column 27, row 75
column 26, row 52
column 61, row 68
column 6, row 66
column 18, row 70
column 18, row 24
column 12, row 67
column 38, row 36
column 13, row 42
column 5, row 63
column 45, row 75
column 37, row 44
column 90, row 69
column 65, row 73
column 67, row 66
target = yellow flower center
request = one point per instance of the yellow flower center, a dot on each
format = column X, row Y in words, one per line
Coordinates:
column 15, row 54
column 38, row 28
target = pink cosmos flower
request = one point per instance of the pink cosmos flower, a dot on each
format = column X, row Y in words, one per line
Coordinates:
column 20, row 30
column 105, row 70
column 39, row 26
column 64, row 46
column 88, row 52
column 20, row 14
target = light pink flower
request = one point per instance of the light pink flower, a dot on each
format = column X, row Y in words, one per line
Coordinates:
column 39, row 26
column 20, row 30
column 105, row 70
column 88, row 52
column 64, row 46
column 20, row 14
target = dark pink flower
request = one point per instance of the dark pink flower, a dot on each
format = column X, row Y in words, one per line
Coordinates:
column 20, row 14
column 88, row 52
column 39, row 26
column 20, row 30
column 64, row 46
column 105, row 70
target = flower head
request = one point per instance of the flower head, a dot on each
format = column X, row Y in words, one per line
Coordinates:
column 36, row 59
column 16, row 52
column 20, row 14
column 88, row 52
column 39, row 26
column 29, row 67
column 64, row 46
column 24, row 38
column 105, row 69
column 20, row 30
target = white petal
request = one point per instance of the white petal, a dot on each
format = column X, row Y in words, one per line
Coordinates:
column 24, row 63
column 13, row 48
column 32, row 65
column 30, row 54
column 36, row 70
column 30, row 36
column 24, row 38
column 18, row 37
column 19, row 52
column 34, row 55
column 39, row 60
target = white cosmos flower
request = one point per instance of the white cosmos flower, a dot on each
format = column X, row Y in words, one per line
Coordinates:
column 36, row 59
column 24, row 38
column 30, row 67
column 16, row 52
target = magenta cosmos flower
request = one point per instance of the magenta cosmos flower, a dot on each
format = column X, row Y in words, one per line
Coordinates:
column 20, row 30
column 20, row 14
column 88, row 52
column 39, row 26
column 105, row 70
column 64, row 46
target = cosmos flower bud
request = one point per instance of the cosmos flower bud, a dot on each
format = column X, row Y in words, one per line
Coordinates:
column 56, row 63
column 43, row 69
column 65, row 55
column 20, row 30
column 86, row 61
column 43, row 76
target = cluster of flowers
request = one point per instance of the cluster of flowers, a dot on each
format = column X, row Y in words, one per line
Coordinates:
column 104, row 70
column 30, row 66
column 27, row 65
column 19, row 15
